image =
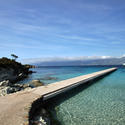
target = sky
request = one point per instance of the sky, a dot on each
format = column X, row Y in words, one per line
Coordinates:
column 62, row 28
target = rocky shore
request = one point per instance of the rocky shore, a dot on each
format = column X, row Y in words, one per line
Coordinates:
column 10, row 73
column 6, row 87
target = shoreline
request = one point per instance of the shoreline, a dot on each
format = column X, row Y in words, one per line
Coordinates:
column 11, row 72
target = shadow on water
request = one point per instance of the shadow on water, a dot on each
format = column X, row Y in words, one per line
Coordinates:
column 52, row 103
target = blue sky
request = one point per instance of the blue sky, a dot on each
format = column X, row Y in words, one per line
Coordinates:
column 62, row 28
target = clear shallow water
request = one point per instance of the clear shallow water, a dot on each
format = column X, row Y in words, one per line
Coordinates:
column 61, row 73
column 102, row 103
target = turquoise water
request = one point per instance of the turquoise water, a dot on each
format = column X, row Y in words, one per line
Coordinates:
column 61, row 73
column 102, row 103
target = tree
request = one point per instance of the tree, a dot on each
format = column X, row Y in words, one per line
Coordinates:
column 14, row 56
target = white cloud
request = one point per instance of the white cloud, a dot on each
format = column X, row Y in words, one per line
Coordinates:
column 77, row 38
column 57, row 59
column 122, row 56
column 105, row 57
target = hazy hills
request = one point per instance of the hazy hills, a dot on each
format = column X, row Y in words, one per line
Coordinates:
column 107, row 61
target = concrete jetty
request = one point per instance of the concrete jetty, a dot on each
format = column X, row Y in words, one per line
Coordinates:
column 14, row 108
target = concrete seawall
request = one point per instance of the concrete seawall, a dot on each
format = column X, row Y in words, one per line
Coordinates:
column 16, row 109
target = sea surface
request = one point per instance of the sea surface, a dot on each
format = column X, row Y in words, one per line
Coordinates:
column 101, row 103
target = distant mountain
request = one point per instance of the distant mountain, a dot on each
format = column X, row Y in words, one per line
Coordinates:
column 107, row 61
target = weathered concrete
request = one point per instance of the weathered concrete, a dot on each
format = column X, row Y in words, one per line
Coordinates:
column 14, row 108
column 58, row 87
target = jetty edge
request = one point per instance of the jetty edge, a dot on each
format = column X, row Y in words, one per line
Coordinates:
column 17, row 108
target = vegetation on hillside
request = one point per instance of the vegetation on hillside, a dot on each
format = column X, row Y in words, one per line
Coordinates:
column 11, row 63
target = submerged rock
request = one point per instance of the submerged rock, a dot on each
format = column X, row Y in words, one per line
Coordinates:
column 40, row 121
column 49, row 78
column 36, row 83
column 42, row 118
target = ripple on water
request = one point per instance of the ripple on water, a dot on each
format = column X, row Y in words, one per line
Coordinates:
column 103, row 103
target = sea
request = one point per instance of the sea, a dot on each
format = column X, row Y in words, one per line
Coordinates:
column 99, row 103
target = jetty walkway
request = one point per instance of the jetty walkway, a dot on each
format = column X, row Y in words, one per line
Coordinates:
column 14, row 108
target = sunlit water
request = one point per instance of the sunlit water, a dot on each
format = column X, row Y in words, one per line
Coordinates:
column 102, row 103
column 61, row 73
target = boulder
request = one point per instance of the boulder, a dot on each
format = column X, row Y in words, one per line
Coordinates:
column 5, row 83
column 42, row 117
column 36, row 83
column 7, row 90
column 40, row 120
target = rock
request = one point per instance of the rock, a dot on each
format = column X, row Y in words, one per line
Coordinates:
column 17, row 85
column 10, row 73
column 11, row 88
column 40, row 120
column 14, row 73
column 36, row 83
column 6, row 90
column 20, row 74
column 27, row 86
column 30, row 66
column 43, row 111
column 6, row 73
column 6, row 87
column 48, row 78
column 3, row 91
column 5, row 83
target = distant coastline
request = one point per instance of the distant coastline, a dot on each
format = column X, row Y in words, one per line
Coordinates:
column 113, row 61
column 78, row 66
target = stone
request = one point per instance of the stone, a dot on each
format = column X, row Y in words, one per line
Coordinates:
column 20, row 74
column 5, row 83
column 48, row 78
column 36, row 83
column 40, row 120
column 27, row 86
column 4, row 91
column 43, row 111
